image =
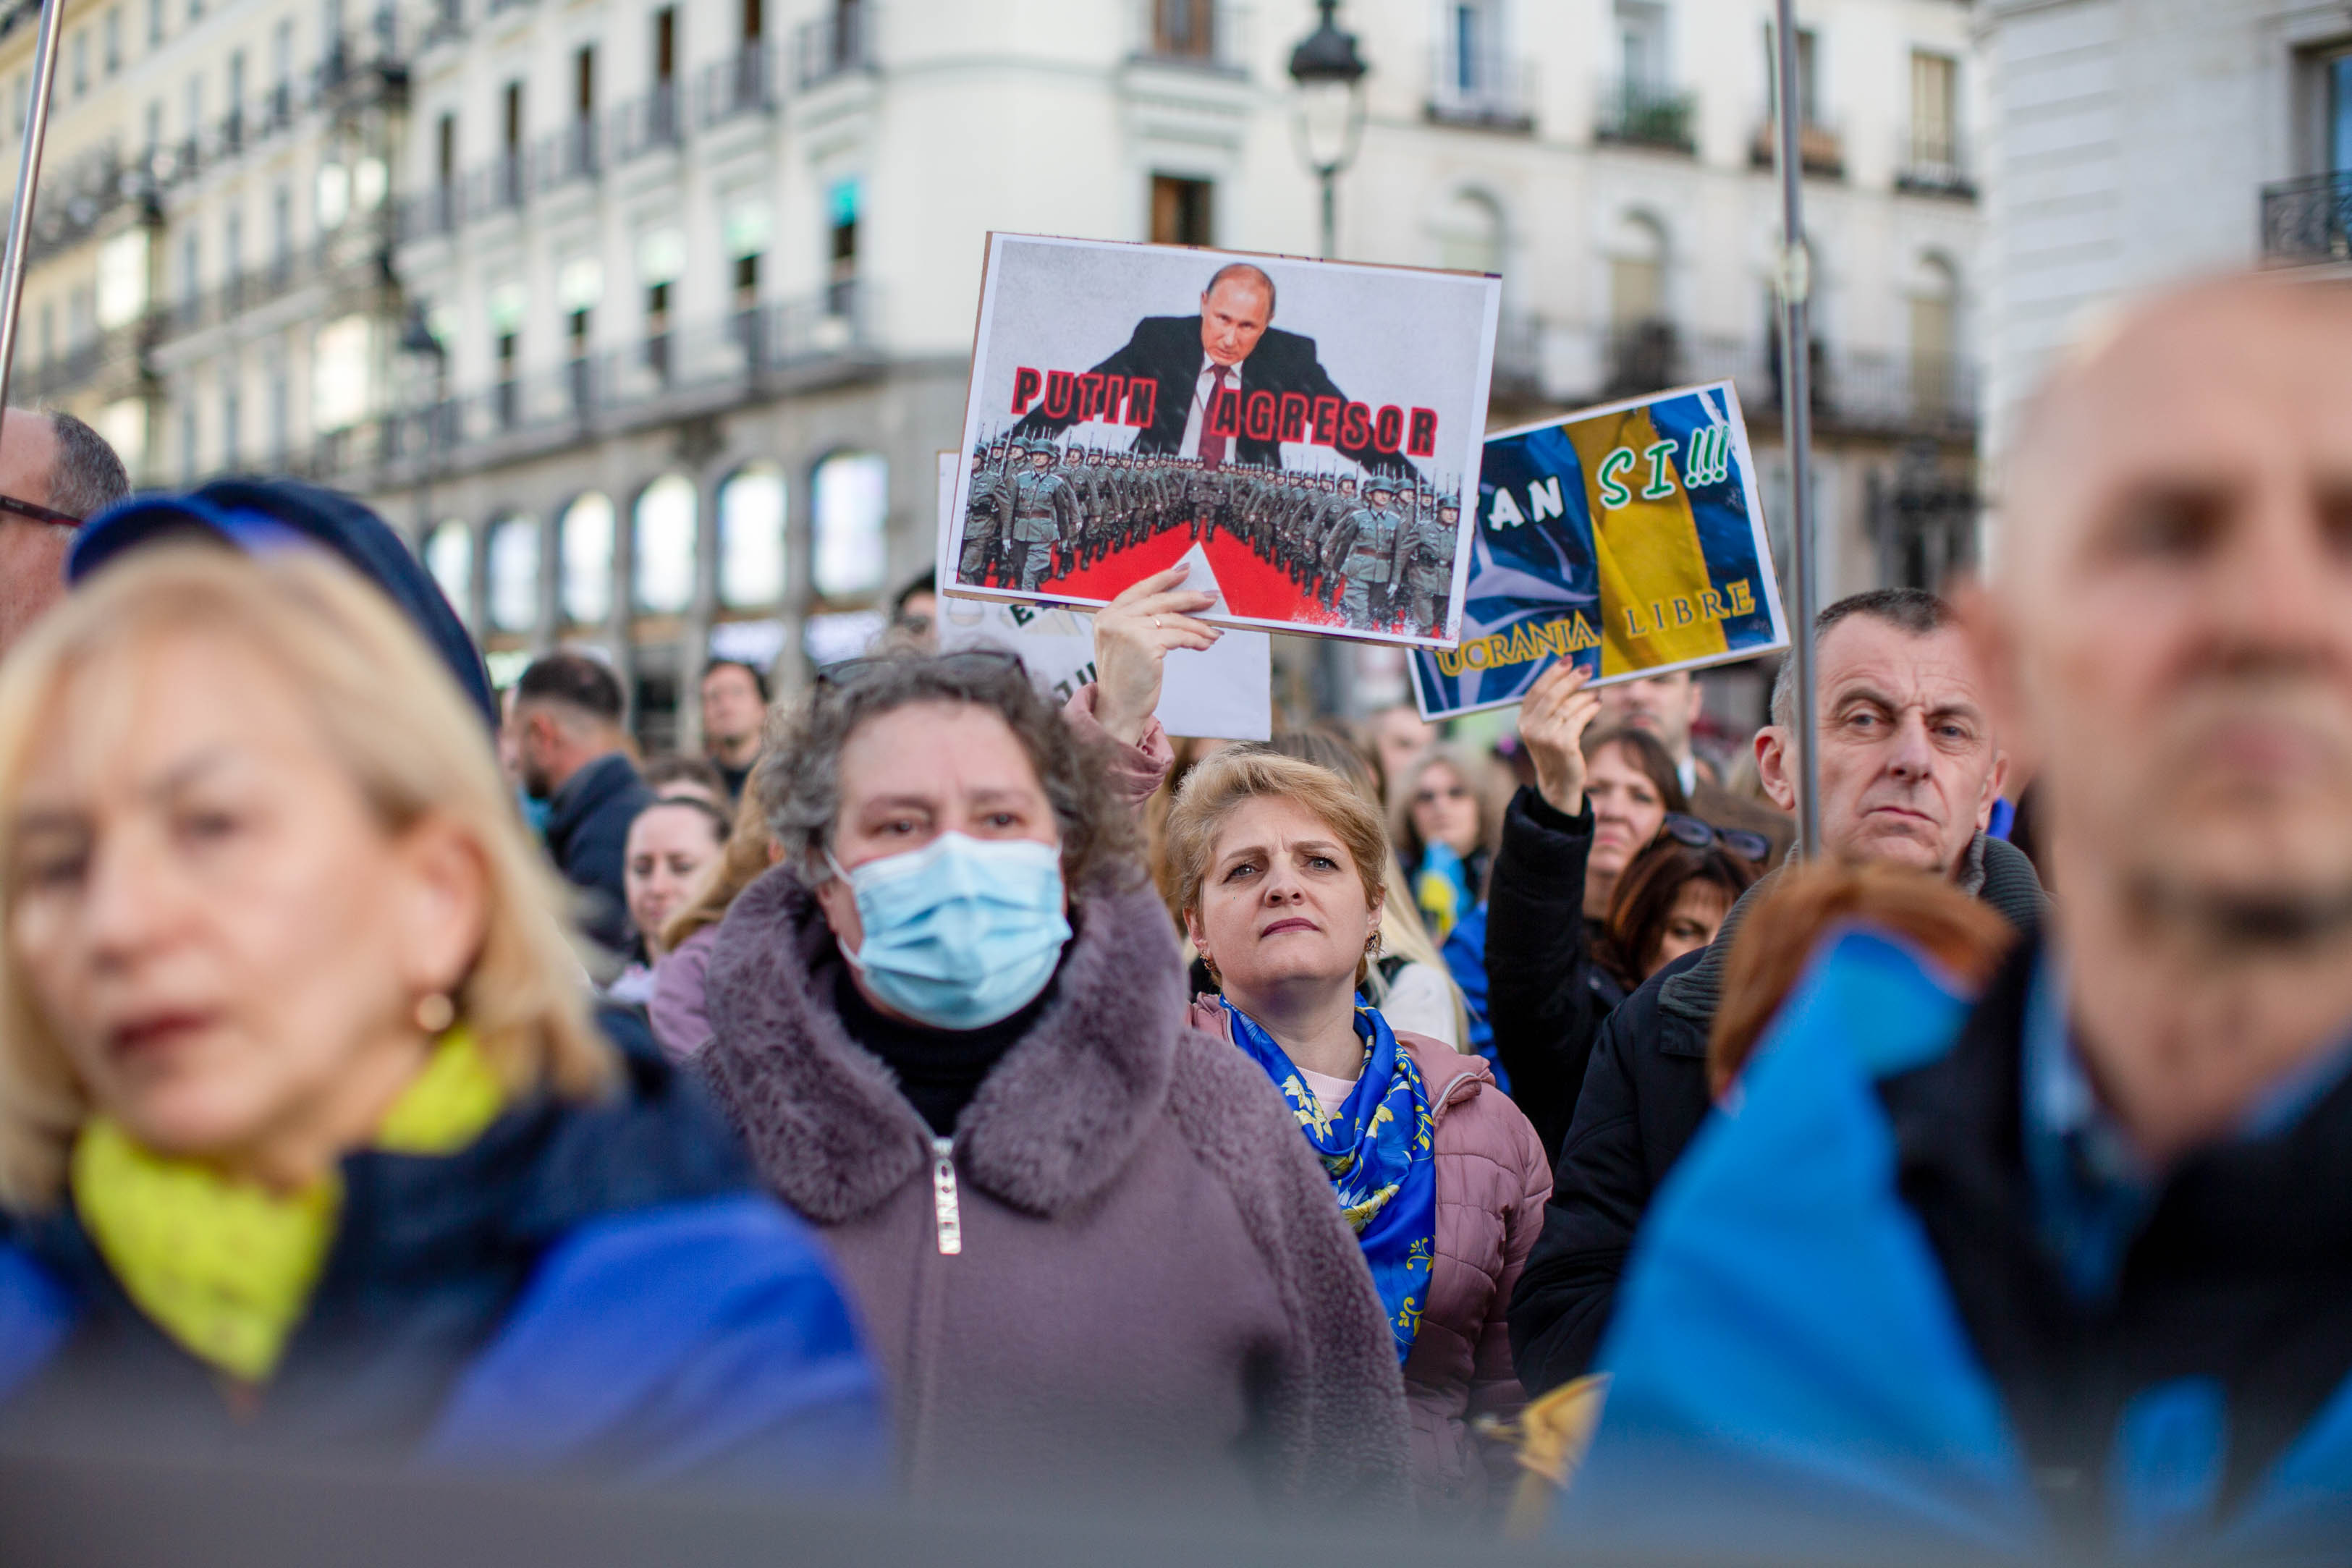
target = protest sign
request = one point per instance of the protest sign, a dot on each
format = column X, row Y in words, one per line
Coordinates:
column 1223, row 692
column 1134, row 406
column 1674, row 574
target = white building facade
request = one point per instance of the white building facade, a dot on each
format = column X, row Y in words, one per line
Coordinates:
column 647, row 316
column 2133, row 143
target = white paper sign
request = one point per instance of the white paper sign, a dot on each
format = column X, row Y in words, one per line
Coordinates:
column 1223, row 692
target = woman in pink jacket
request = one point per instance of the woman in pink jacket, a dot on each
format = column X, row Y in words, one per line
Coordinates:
column 1280, row 869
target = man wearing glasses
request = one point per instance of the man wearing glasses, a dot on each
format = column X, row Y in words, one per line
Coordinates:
column 1909, row 770
column 55, row 471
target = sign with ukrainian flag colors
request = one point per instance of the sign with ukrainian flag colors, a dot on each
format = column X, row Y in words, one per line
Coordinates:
column 1627, row 538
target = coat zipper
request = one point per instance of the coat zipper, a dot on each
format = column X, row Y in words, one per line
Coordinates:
column 944, row 1205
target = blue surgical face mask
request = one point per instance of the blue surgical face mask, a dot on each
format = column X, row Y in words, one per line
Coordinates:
column 961, row 932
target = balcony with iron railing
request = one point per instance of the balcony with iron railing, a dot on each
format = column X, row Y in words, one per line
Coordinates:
column 743, row 83
column 746, row 353
column 2308, row 221
column 1482, row 86
column 1882, row 393
column 77, row 197
column 250, row 288
column 572, row 153
column 836, row 44
column 647, row 124
column 1637, row 113
column 1935, row 164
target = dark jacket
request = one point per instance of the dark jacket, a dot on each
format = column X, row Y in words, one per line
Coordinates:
column 1123, row 1281
column 1545, row 996
column 579, row 1290
column 588, row 834
column 1644, row 1094
column 1843, row 1336
column 1165, row 349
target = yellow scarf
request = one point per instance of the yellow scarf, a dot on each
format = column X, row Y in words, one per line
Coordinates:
column 226, row 1268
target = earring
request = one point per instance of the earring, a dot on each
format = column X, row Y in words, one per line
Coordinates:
column 1372, row 946
column 436, row 1012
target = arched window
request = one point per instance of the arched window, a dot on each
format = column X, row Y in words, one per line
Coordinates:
column 510, row 574
column 1470, row 234
column 752, row 569
column 449, row 557
column 664, row 525
column 852, row 492
column 584, row 541
column 1637, row 273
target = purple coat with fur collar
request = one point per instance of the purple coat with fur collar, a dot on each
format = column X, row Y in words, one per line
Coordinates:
column 1155, row 1301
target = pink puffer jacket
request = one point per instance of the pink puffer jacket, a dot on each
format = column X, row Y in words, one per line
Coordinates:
column 1492, row 1185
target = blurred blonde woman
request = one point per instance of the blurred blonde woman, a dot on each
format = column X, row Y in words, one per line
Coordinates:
column 307, row 1141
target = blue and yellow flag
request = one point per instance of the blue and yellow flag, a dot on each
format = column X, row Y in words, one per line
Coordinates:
column 1628, row 538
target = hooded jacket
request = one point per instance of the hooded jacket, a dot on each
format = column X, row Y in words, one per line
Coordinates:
column 1122, row 1280
column 1644, row 1096
column 1492, row 1181
column 581, row 1289
column 1845, row 1337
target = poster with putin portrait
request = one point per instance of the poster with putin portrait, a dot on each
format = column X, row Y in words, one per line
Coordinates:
column 1300, row 435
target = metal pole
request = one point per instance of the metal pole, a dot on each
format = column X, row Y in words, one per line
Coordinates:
column 1331, row 173
column 1797, row 426
column 28, row 174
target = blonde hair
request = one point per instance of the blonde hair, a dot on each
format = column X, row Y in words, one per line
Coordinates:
column 1402, row 934
column 750, row 851
column 1225, row 781
column 387, row 710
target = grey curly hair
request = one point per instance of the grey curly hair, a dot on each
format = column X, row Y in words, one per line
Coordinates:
column 798, row 781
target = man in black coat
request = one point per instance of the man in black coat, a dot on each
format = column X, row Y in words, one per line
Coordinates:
column 1230, row 348
column 567, row 714
column 1909, row 771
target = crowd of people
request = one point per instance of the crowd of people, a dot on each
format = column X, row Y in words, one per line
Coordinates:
column 934, row 1095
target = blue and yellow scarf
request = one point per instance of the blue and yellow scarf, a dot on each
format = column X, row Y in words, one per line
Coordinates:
column 1378, row 1149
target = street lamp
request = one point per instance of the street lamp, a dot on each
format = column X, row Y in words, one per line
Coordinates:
column 418, row 340
column 1330, row 117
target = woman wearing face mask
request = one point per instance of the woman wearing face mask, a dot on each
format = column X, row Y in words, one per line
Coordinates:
column 1281, row 869
column 1095, row 1259
column 1600, row 797
column 308, row 1144
column 671, row 843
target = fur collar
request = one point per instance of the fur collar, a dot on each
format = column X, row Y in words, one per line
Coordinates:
column 1051, row 1126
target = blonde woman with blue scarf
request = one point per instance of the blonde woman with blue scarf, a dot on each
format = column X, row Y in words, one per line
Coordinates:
column 309, row 1144
column 1280, row 870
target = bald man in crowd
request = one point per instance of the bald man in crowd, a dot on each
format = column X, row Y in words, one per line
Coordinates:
column 55, row 473
column 2067, row 1265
